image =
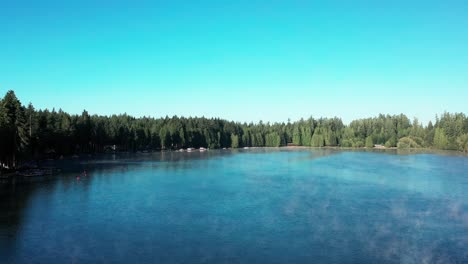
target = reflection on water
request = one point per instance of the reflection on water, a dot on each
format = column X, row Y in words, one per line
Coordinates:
column 242, row 206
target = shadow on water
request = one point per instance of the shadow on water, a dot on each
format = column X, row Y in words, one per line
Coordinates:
column 15, row 196
column 13, row 201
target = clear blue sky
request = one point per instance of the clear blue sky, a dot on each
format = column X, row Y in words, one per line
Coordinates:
column 239, row 60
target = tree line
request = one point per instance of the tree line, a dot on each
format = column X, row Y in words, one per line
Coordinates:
column 27, row 133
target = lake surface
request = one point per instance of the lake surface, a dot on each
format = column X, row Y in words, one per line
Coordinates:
column 245, row 206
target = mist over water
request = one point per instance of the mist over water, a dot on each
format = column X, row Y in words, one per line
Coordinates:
column 242, row 206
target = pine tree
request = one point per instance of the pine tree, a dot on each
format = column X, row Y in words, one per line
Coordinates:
column 440, row 139
column 164, row 137
column 15, row 136
column 234, row 141
column 296, row 137
column 369, row 142
column 317, row 139
column 462, row 143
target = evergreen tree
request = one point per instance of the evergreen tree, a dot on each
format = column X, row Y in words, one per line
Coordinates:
column 234, row 141
column 317, row 140
column 165, row 138
column 440, row 139
column 369, row 142
column 14, row 135
column 462, row 143
column 296, row 137
column 27, row 133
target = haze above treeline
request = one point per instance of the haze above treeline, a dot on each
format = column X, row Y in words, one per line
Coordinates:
column 27, row 133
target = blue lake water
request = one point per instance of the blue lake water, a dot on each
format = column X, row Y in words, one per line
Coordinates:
column 246, row 206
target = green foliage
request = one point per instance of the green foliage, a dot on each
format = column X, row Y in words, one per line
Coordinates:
column 27, row 133
column 13, row 131
column 296, row 137
column 348, row 137
column 165, row 138
column 246, row 139
column 357, row 143
column 440, row 139
column 272, row 140
column 346, row 143
column 392, row 142
column 234, row 141
column 462, row 143
column 453, row 126
column 408, row 142
column 317, row 140
column 369, row 142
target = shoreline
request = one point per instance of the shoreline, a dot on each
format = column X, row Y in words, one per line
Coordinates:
column 15, row 174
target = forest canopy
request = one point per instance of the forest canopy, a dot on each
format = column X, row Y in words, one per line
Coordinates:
column 27, row 133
